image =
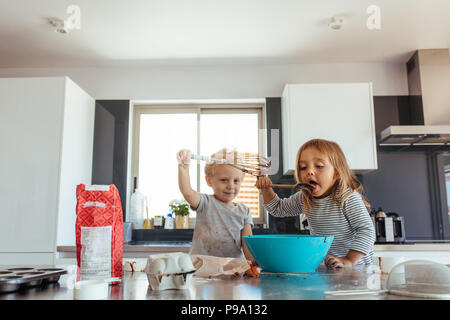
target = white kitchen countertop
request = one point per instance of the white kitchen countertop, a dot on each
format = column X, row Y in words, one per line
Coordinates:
column 268, row 286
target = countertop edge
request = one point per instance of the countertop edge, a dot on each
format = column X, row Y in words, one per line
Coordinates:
column 135, row 248
column 174, row 248
column 413, row 247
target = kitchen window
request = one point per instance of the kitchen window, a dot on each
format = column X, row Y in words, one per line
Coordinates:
column 447, row 181
column 161, row 131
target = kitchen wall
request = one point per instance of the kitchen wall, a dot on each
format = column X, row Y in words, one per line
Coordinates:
column 220, row 82
column 435, row 83
column 401, row 185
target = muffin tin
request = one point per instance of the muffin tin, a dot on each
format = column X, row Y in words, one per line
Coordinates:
column 15, row 278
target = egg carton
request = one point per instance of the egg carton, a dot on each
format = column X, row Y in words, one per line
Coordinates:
column 169, row 271
column 15, row 278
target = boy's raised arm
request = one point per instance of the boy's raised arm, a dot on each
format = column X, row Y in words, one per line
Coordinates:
column 184, row 180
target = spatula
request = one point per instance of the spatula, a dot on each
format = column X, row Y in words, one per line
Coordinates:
column 298, row 186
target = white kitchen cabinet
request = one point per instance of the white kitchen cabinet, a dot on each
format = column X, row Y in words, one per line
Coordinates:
column 340, row 112
column 46, row 141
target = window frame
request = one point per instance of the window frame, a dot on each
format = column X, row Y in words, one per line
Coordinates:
column 206, row 108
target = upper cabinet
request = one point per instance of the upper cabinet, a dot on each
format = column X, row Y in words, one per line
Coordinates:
column 340, row 112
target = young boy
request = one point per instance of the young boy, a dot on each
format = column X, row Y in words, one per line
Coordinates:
column 220, row 223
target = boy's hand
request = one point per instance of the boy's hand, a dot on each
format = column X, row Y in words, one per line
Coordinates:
column 263, row 182
column 184, row 157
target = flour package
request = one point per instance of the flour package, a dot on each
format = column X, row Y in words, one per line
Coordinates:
column 99, row 232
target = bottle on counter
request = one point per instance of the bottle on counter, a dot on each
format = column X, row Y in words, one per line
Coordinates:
column 169, row 224
column 158, row 222
column 137, row 209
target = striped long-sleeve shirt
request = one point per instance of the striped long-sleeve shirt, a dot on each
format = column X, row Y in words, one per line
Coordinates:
column 352, row 227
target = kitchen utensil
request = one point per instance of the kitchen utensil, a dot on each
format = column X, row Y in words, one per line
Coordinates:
column 251, row 163
column 413, row 278
column 353, row 292
column 298, row 186
column 288, row 252
column 12, row 279
column 147, row 222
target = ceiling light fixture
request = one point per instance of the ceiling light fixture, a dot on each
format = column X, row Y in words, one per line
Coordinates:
column 336, row 22
column 59, row 25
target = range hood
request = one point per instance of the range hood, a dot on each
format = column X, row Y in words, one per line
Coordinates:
column 429, row 102
column 415, row 135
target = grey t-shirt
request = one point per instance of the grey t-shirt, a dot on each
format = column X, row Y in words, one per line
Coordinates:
column 218, row 228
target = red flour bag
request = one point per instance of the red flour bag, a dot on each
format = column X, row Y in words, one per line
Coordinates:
column 99, row 232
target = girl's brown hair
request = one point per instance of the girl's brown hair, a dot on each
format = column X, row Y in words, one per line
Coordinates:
column 346, row 181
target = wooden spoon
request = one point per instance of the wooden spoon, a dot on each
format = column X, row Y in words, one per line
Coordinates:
column 147, row 222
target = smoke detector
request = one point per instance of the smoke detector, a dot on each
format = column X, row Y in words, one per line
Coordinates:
column 336, row 22
column 60, row 26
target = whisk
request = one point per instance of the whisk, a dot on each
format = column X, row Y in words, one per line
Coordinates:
column 251, row 163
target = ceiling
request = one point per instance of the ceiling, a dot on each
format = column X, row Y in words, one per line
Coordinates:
column 194, row 32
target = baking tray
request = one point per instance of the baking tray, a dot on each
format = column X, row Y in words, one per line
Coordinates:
column 15, row 278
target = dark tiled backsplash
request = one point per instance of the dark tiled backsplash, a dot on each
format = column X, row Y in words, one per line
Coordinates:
column 288, row 225
column 162, row 235
column 185, row 235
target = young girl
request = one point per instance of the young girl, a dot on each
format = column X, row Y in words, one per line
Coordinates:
column 335, row 206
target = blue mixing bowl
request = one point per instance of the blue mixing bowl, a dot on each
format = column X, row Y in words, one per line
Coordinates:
column 288, row 252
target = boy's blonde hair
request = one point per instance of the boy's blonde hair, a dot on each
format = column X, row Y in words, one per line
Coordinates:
column 210, row 167
column 346, row 181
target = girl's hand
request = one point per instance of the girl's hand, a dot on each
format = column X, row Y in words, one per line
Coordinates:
column 184, row 157
column 333, row 262
column 263, row 182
